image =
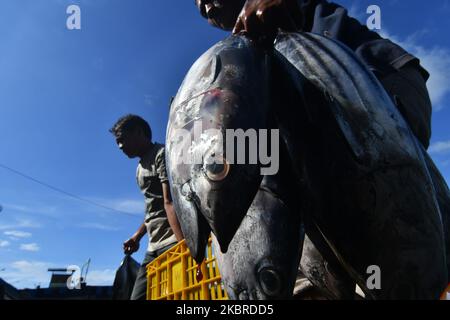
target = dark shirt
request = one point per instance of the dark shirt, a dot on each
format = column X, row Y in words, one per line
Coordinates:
column 382, row 56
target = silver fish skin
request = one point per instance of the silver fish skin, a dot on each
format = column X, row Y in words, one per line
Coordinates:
column 369, row 192
column 211, row 191
column 262, row 259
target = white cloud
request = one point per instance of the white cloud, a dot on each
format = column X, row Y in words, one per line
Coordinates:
column 25, row 266
column 32, row 247
column 437, row 62
column 4, row 243
column 25, row 223
column 101, row 277
column 20, row 223
column 27, row 274
column 439, row 147
column 98, row 226
column 149, row 99
column 17, row 234
column 32, row 208
column 130, row 206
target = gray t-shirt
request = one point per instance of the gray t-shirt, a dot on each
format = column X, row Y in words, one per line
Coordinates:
column 150, row 174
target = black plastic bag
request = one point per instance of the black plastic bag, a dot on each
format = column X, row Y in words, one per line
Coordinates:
column 125, row 278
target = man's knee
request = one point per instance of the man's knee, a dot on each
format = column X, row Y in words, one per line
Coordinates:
column 140, row 285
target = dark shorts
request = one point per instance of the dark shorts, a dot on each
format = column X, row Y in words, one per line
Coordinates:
column 408, row 89
column 140, row 286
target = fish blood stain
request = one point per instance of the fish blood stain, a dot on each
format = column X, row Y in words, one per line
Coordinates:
column 199, row 275
column 215, row 92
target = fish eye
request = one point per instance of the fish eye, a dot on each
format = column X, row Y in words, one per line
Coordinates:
column 270, row 281
column 217, row 171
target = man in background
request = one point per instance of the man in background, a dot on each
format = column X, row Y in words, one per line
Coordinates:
column 134, row 137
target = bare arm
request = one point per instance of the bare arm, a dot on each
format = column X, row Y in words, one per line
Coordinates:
column 170, row 211
column 140, row 232
column 132, row 245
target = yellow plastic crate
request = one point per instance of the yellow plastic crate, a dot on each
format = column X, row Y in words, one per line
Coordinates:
column 172, row 276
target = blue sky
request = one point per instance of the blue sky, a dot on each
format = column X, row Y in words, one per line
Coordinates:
column 61, row 90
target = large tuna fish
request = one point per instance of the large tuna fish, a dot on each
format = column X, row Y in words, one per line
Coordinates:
column 359, row 176
column 370, row 196
column 262, row 258
column 227, row 88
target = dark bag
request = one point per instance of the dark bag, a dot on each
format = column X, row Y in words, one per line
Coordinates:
column 125, row 278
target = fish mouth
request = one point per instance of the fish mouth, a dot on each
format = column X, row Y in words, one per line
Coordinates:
column 222, row 223
column 221, row 207
column 263, row 257
column 195, row 229
column 198, row 246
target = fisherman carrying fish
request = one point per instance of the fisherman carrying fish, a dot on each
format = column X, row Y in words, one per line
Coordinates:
column 134, row 137
column 399, row 72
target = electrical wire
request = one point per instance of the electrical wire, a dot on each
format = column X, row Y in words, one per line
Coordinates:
column 68, row 194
